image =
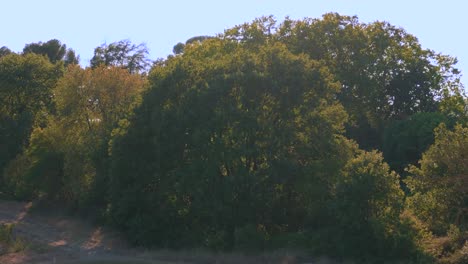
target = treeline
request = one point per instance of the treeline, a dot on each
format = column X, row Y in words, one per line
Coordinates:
column 339, row 137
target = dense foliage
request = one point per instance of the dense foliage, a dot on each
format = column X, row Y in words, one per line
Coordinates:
column 255, row 129
column 289, row 135
column 440, row 183
column 405, row 140
column 65, row 159
column 26, row 84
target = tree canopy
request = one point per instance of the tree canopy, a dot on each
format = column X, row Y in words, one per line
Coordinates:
column 54, row 50
column 25, row 92
column 328, row 135
column 122, row 54
column 439, row 183
column 384, row 73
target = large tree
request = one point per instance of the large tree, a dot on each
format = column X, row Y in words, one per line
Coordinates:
column 228, row 137
column 384, row 72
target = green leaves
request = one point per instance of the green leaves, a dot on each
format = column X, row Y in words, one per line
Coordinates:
column 221, row 127
column 53, row 50
column 439, row 185
column 25, row 94
column 405, row 140
column 248, row 139
column 384, row 73
column 368, row 204
column 122, row 54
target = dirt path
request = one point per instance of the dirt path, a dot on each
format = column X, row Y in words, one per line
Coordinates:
column 56, row 238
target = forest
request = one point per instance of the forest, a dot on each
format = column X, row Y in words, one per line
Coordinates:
column 329, row 135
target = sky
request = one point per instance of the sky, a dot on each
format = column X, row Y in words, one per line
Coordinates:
column 86, row 24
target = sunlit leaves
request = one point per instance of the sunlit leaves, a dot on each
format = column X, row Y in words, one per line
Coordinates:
column 439, row 183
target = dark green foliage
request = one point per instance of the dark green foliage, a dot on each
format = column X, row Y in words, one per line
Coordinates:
column 228, row 138
column 406, row 140
column 5, row 51
column 178, row 48
column 66, row 158
column 241, row 141
column 25, row 92
column 123, row 54
column 14, row 133
column 71, row 58
column 37, row 172
column 369, row 202
column 54, row 50
column 385, row 75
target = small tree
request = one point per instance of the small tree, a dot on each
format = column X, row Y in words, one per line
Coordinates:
column 54, row 50
column 439, row 185
column 368, row 205
column 122, row 54
column 66, row 158
column 5, row 51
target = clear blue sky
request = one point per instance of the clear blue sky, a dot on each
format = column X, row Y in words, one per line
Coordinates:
column 83, row 25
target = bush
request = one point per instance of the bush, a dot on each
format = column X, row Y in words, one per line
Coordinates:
column 368, row 206
column 438, row 185
column 9, row 240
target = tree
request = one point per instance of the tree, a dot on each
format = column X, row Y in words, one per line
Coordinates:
column 66, row 158
column 454, row 103
column 5, row 51
column 71, row 58
column 439, row 184
column 25, row 92
column 368, row 205
column 94, row 100
column 228, row 137
column 178, row 48
column 122, row 54
column 384, row 72
column 103, row 95
column 54, row 50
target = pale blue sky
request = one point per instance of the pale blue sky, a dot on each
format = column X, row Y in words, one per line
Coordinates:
column 83, row 25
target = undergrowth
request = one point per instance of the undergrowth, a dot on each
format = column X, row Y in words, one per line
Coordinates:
column 9, row 242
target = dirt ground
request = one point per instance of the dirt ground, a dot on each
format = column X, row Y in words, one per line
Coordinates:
column 53, row 237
